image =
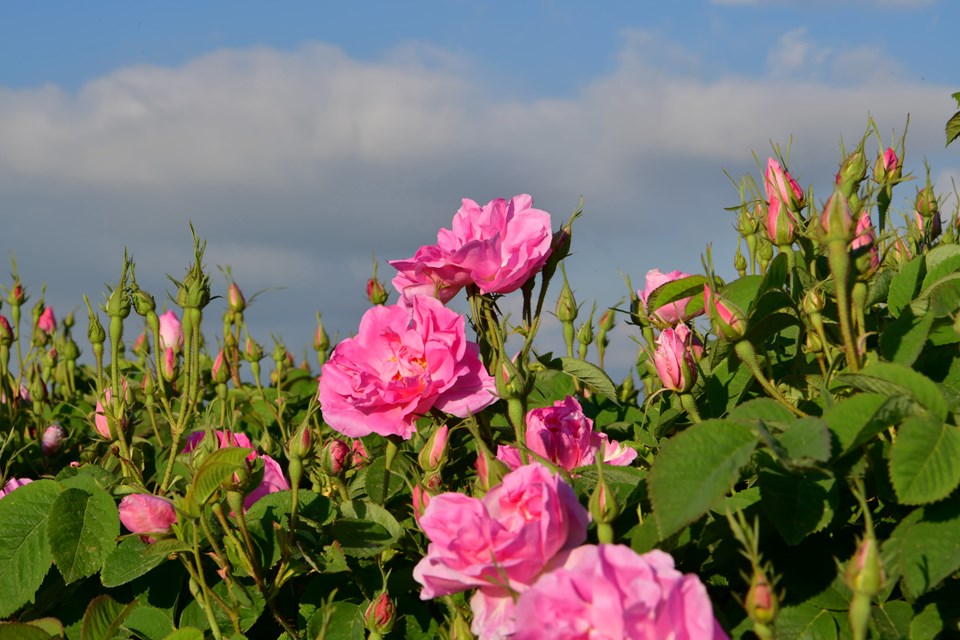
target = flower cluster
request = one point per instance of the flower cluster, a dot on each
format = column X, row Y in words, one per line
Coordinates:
column 496, row 247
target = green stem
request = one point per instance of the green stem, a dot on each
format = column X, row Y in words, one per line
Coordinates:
column 690, row 406
column 748, row 356
column 391, row 453
column 840, row 268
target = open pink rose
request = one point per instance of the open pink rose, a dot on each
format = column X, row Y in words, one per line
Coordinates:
column 147, row 514
column 498, row 247
column 669, row 313
column 402, row 363
column 610, row 591
column 565, row 436
column 502, row 541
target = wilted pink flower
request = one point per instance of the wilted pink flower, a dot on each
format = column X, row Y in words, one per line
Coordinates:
column 402, row 363
column 13, row 483
column 52, row 439
column 147, row 515
column 565, row 436
column 669, row 313
column 502, row 541
column 46, row 322
column 498, row 247
column 610, row 591
column 674, row 357
column 171, row 336
column 100, row 420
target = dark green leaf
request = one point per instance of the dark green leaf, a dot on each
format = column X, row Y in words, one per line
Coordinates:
column 903, row 339
column 890, row 378
column 924, row 549
column 742, row 292
column 131, row 559
column 942, row 298
column 766, row 409
column 926, row 624
column 591, row 375
column 925, row 460
column 892, row 619
column 953, row 127
column 807, row 439
column 806, row 622
column 22, row 631
column 244, row 596
column 691, row 286
column 798, row 504
column 345, row 623
column 24, row 551
column 848, row 418
column 375, row 475
column 186, row 633
column 149, row 622
column 695, row 469
column 103, row 618
column 906, row 284
column 366, row 529
column 82, row 531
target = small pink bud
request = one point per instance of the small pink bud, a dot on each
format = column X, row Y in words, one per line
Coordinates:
column 727, row 319
column 434, row 452
column 333, row 458
column 674, row 358
column 6, row 332
column 52, row 440
column 837, row 219
column 865, row 573
column 147, row 514
column 891, row 164
column 171, row 335
column 779, row 184
column 101, row 422
column 762, row 603
column 169, row 363
column 141, row 346
column 381, row 614
column 17, row 296
column 864, row 246
column 235, row 299
column 220, row 371
column 421, row 498
column 46, row 322
column 376, row 294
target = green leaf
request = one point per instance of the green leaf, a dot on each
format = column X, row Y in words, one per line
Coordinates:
column 245, row 597
column 904, row 338
column 689, row 287
column 186, row 633
column 798, row 504
column 103, row 618
column 345, row 623
column 807, row 439
column 892, row 618
column 766, row 409
column 149, row 622
column 924, row 549
column 849, row 418
column 591, row 375
column 624, row 482
column 742, row 292
column 925, row 460
column 375, row 474
column 942, row 298
column 82, row 531
column 890, row 378
column 695, row 469
column 906, row 284
column 22, row 631
column 24, row 551
column 314, row 510
column 218, row 467
column 366, row 529
column 806, row 622
column 941, row 261
column 926, row 624
column 953, row 127
column 131, row 559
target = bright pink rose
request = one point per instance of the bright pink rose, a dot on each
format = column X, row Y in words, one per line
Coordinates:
column 273, row 481
column 402, row 363
column 13, row 483
column 502, row 541
column 670, row 313
column 171, row 336
column 498, row 247
column 147, row 514
column 563, row 435
column 46, row 322
column 674, row 357
column 610, row 591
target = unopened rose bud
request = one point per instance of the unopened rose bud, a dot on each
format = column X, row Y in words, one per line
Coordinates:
column 566, row 304
column 52, row 440
column 852, row 172
column 141, row 346
column 147, row 515
column 865, row 573
column 837, row 219
column 17, row 295
column 47, row 323
column 235, row 300
column 727, row 319
column 169, row 365
column 380, row 615
column 359, row 456
column 252, row 352
column 143, row 302
column 490, row 471
column 887, row 167
column 300, row 445
column 6, row 332
column 866, row 256
column 220, row 371
column 171, row 331
column 421, row 498
column 376, row 294
column 674, row 358
column 603, row 504
column 762, row 603
column 434, row 452
column 333, row 457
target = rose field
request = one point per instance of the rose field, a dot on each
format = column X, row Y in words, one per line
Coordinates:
column 782, row 461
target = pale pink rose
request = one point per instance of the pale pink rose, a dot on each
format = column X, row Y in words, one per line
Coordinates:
column 147, row 515
column 13, row 483
column 565, row 436
column 46, row 322
column 610, row 591
column 100, row 421
column 171, row 335
column 402, row 363
column 493, row 613
column 674, row 357
column 52, row 439
column 273, row 481
column 502, row 541
column 498, row 247
column 670, row 313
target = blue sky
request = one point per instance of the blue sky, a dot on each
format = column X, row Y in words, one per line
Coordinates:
column 302, row 137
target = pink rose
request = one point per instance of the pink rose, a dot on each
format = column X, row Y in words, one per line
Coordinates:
column 13, row 483
column 670, row 313
column 103, row 424
column 46, row 322
column 498, row 247
column 502, row 541
column 563, row 435
column 727, row 319
column 402, row 363
column 610, row 591
column 147, row 514
column 864, row 246
column 171, row 336
column 674, row 357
